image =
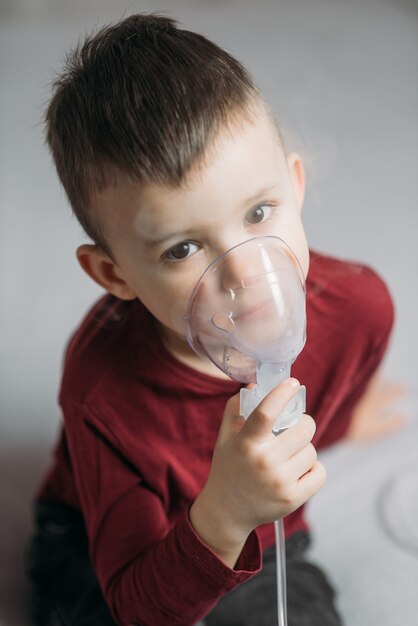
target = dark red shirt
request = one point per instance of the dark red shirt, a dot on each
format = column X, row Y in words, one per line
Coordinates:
column 140, row 427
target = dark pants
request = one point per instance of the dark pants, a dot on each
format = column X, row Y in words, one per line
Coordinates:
column 310, row 597
column 66, row 591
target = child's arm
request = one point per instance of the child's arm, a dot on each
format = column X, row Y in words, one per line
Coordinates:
column 255, row 478
column 158, row 571
column 152, row 566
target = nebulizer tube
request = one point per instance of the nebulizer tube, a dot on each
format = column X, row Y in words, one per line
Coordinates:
column 247, row 315
column 281, row 572
column 289, row 416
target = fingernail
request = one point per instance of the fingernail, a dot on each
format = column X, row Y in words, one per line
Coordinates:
column 293, row 382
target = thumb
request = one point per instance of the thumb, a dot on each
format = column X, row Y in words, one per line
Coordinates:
column 232, row 420
column 260, row 423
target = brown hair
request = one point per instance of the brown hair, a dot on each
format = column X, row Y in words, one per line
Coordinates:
column 141, row 97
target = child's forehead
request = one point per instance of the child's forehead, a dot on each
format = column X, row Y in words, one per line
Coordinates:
column 256, row 125
column 248, row 145
column 245, row 159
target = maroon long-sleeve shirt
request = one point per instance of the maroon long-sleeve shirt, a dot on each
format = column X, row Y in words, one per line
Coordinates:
column 140, row 427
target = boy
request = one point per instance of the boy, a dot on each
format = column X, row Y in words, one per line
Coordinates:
column 160, row 502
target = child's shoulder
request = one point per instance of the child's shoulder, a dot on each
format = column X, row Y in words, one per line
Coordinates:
column 101, row 347
column 349, row 289
column 348, row 276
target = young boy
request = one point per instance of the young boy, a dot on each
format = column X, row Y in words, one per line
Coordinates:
column 159, row 505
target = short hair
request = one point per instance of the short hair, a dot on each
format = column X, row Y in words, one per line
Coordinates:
column 142, row 97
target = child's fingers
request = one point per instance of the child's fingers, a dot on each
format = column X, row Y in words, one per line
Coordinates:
column 310, row 483
column 261, row 421
column 295, row 438
column 299, row 464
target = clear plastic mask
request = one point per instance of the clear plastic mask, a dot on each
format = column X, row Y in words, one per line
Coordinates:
column 247, row 315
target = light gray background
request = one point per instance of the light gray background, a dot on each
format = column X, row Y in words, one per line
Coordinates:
column 342, row 77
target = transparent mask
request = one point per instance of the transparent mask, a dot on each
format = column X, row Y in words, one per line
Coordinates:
column 247, row 315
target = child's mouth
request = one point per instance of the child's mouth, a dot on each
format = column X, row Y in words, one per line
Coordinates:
column 254, row 312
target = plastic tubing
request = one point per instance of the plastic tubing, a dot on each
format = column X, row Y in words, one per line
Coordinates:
column 281, row 573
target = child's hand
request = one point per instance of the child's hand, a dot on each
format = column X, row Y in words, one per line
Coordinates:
column 255, row 477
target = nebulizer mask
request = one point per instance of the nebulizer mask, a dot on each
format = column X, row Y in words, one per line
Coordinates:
column 247, row 315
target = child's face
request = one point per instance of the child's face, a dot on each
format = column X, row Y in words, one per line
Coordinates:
column 163, row 239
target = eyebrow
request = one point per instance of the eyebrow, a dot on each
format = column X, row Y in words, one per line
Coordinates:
column 153, row 243
column 261, row 193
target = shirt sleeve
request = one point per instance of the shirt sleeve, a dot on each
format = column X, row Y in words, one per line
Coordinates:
column 152, row 572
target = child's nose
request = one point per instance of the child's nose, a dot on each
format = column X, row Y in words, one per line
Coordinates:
column 233, row 272
column 239, row 264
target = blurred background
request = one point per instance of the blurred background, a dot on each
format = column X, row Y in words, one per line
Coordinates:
column 342, row 77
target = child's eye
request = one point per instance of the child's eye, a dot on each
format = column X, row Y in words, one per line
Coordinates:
column 258, row 214
column 181, row 251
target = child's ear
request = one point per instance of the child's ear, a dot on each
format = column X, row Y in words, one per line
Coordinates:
column 297, row 174
column 104, row 271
